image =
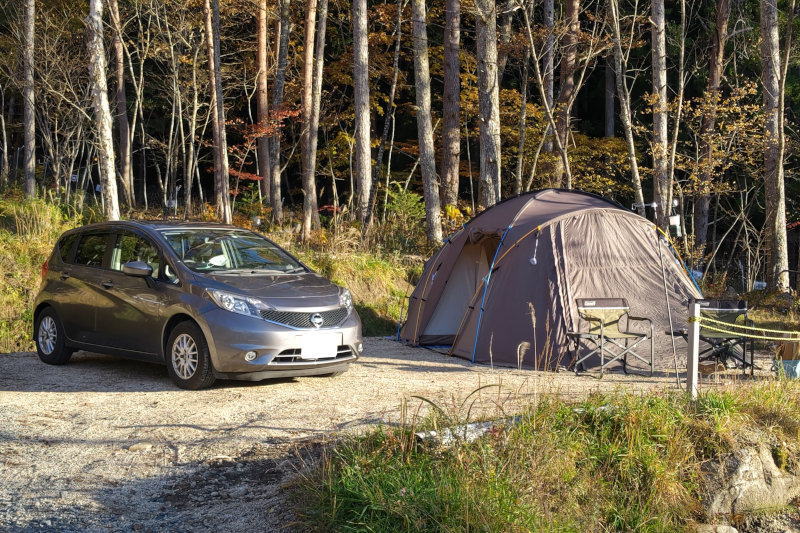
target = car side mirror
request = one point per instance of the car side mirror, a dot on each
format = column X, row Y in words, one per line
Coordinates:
column 138, row 269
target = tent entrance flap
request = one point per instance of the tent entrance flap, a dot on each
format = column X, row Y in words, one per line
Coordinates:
column 470, row 268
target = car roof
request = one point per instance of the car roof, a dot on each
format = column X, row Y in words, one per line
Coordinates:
column 155, row 225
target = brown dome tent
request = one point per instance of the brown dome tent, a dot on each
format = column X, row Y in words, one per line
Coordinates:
column 502, row 289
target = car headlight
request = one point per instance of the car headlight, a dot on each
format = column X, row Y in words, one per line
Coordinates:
column 236, row 303
column 346, row 299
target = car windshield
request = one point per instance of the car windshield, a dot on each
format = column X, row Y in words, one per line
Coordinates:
column 223, row 250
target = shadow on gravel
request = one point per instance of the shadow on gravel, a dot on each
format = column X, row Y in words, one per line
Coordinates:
column 92, row 372
column 244, row 493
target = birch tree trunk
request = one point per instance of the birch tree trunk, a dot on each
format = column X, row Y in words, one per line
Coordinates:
column 624, row 97
column 548, row 64
column 4, row 159
column 716, row 62
column 451, row 103
column 362, row 160
column 102, row 110
column 662, row 187
column 488, row 102
column 422, row 83
column 523, row 122
column 772, row 72
column 28, row 98
column 262, row 99
column 277, row 101
column 121, row 100
column 221, row 186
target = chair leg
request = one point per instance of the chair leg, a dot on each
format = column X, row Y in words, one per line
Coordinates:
column 652, row 353
column 625, row 360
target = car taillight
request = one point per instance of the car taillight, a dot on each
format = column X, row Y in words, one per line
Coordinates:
column 45, row 268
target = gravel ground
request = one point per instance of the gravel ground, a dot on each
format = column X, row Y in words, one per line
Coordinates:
column 110, row 444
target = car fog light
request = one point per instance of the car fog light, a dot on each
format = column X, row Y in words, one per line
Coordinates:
column 359, row 347
column 249, row 356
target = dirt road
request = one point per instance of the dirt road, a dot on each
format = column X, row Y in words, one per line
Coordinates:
column 110, row 444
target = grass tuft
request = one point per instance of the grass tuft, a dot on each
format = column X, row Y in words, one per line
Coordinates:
column 612, row 462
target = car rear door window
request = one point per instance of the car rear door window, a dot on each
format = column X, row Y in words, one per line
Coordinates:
column 132, row 247
column 65, row 246
column 91, row 250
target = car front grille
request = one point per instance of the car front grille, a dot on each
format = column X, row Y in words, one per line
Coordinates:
column 292, row 355
column 293, row 319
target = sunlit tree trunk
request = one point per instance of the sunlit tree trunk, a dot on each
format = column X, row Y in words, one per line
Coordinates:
column 362, row 159
column 277, row 101
column 102, row 110
column 773, row 78
column 28, row 98
column 715, row 66
column 488, row 102
column 624, row 98
column 567, row 88
column 422, row 83
column 262, row 99
column 315, row 41
column 548, row 64
column 523, row 122
column 662, row 186
column 451, row 103
column 4, row 159
column 121, row 100
column 221, row 185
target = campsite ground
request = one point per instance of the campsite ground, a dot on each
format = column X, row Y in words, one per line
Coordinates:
column 109, row 443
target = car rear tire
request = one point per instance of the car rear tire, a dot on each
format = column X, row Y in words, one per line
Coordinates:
column 50, row 340
column 188, row 359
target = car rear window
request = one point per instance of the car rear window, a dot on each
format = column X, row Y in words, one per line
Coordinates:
column 65, row 246
column 91, row 250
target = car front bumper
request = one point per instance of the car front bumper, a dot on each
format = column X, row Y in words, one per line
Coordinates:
column 278, row 349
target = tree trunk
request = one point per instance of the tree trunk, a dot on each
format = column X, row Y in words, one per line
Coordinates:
column 522, row 128
column 772, row 73
column 505, row 39
column 4, row 160
column 610, row 114
column 422, row 83
column 548, row 63
column 451, row 103
column 121, row 100
column 262, row 99
column 277, row 101
column 312, row 86
column 221, row 185
column 662, row 186
column 102, row 110
column 388, row 121
column 715, row 66
column 624, row 97
column 567, row 89
column 363, row 153
column 28, row 98
column 488, row 102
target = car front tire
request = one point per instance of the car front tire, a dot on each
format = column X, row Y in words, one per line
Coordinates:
column 50, row 340
column 188, row 359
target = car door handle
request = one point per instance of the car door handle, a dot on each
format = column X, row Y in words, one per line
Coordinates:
column 107, row 284
column 65, row 275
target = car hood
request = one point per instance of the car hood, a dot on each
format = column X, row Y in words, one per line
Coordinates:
column 281, row 290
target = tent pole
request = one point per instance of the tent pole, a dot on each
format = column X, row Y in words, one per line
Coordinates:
column 486, row 288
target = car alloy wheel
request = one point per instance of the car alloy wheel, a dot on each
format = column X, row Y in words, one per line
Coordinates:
column 184, row 356
column 47, row 336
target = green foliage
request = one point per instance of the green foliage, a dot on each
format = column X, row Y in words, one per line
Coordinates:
column 609, row 463
column 405, row 212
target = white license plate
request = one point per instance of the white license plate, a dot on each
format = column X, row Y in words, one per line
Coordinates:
column 320, row 345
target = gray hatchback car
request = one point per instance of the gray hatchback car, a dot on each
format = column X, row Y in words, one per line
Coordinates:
column 208, row 300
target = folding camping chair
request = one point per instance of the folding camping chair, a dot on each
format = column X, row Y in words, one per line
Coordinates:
column 723, row 346
column 605, row 337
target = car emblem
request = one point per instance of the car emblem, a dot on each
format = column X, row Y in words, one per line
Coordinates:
column 317, row 320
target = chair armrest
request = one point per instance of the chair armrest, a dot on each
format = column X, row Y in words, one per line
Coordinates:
column 639, row 318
